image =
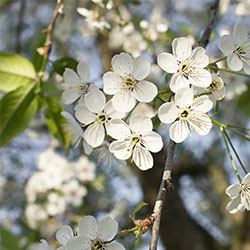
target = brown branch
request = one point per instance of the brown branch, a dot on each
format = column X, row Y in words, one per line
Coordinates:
column 203, row 42
column 165, row 184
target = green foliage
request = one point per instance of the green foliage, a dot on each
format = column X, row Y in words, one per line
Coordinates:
column 64, row 62
column 8, row 240
column 244, row 101
column 15, row 71
column 55, row 120
column 17, row 109
column 156, row 122
column 137, row 209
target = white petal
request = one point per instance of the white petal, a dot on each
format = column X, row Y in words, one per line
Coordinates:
column 167, row 62
column 199, row 58
column 44, row 245
column 200, row 78
column 141, row 68
column 118, row 129
column 64, row 234
column 123, row 101
column 84, row 115
column 88, row 225
column 202, row 103
column 182, row 48
column 240, row 33
column 111, row 83
column 184, row 97
column 71, row 94
column 153, row 141
column 107, row 228
column 199, row 122
column 142, row 158
column 94, row 134
column 122, row 64
column 233, row 190
column 168, row 112
column 139, row 123
column 115, row 246
column 234, row 205
column 79, row 242
column 87, row 148
column 111, row 112
column 246, row 179
column 83, row 71
column 144, row 91
column 178, row 81
column 246, row 67
column 179, row 131
column 234, row 62
column 71, row 78
column 122, row 149
column 226, row 44
column 219, row 94
column 95, row 101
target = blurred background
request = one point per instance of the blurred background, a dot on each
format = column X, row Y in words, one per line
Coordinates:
column 42, row 188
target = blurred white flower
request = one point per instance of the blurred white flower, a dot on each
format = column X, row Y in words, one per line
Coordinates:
column 243, row 8
column 126, row 82
column 239, row 195
column 237, row 48
column 186, row 110
column 35, row 214
column 56, row 204
column 186, row 64
column 44, row 245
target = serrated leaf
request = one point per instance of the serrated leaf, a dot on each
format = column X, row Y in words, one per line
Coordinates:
column 8, row 240
column 61, row 64
column 139, row 206
column 55, row 122
column 17, row 108
column 15, row 71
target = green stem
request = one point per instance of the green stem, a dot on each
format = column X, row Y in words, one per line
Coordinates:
column 221, row 59
column 162, row 92
column 161, row 99
column 247, row 137
column 131, row 111
column 234, row 126
column 124, row 233
column 237, row 156
column 229, row 153
column 221, row 125
column 230, row 71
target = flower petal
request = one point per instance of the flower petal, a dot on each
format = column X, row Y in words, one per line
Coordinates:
column 87, row 148
column 88, row 225
column 84, row 115
column 122, row 149
column 202, row 103
column 122, row 64
column 199, row 58
column 115, row 246
column 167, row 62
column 246, row 67
column 118, row 129
column 182, row 48
column 226, row 44
column 199, row 122
column 200, row 78
column 153, row 141
column 79, row 242
column 168, row 112
column 107, row 228
column 234, row 62
column 111, row 112
column 184, row 97
column 233, row 190
column 64, row 234
column 95, row 101
column 139, row 123
column 43, row 245
column 179, row 131
column 94, row 134
column 71, row 78
column 111, row 83
column 144, row 91
column 246, row 179
column 123, row 101
column 83, row 71
column 141, row 68
column 240, row 33
column 178, row 81
column 142, row 158
column 234, row 205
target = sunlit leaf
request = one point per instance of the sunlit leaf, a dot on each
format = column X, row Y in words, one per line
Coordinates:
column 61, row 64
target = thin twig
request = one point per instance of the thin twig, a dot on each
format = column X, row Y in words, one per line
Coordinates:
column 165, row 183
column 20, row 27
column 207, row 32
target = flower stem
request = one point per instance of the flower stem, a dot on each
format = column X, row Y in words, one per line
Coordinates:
column 131, row 111
column 247, row 137
column 234, row 126
column 124, row 233
column 220, row 59
column 230, row 71
column 237, row 156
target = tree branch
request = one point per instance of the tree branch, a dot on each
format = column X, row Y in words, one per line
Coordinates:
column 203, row 42
column 165, row 184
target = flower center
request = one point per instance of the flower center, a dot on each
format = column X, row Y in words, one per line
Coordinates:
column 129, row 82
column 239, row 50
column 102, row 118
column 98, row 245
column 184, row 114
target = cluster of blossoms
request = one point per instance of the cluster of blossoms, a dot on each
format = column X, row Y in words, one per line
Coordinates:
column 56, row 185
column 91, row 235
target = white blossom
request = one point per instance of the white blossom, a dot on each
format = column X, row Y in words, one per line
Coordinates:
column 186, row 64
column 237, row 48
column 135, row 140
column 186, row 110
column 97, row 114
column 127, row 83
column 239, row 195
column 44, row 245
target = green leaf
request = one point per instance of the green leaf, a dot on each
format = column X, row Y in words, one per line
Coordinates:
column 17, row 109
column 55, row 122
column 8, row 240
column 139, row 206
column 64, row 62
column 15, row 71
